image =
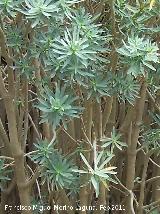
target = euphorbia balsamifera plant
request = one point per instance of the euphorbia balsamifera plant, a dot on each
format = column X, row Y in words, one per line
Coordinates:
column 141, row 53
column 79, row 106
column 57, row 107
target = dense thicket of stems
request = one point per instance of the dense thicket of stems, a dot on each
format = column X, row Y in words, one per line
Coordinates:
column 79, row 106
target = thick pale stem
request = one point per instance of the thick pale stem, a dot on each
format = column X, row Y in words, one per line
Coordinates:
column 18, row 155
column 132, row 146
